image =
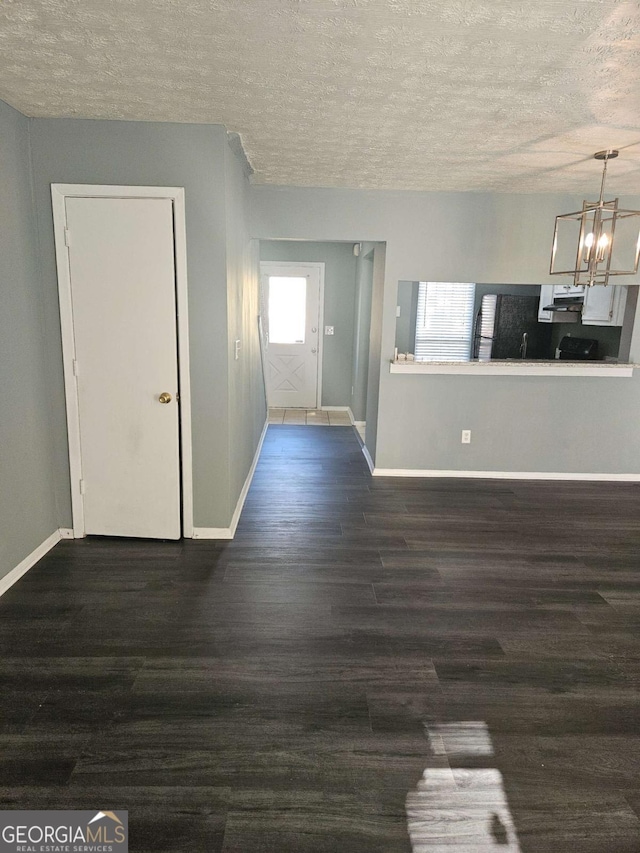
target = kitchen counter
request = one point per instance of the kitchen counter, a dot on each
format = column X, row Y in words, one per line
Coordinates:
column 515, row 367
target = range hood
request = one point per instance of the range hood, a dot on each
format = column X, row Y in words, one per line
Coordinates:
column 566, row 303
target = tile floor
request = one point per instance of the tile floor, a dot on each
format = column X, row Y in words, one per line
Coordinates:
column 309, row 417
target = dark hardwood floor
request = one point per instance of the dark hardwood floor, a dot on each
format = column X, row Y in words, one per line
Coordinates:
column 369, row 658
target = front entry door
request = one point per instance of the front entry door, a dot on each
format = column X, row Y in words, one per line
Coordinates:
column 292, row 297
column 121, row 264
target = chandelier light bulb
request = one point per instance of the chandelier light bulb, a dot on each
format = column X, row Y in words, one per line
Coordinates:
column 588, row 243
column 603, row 245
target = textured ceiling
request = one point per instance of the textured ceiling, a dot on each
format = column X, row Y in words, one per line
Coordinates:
column 403, row 94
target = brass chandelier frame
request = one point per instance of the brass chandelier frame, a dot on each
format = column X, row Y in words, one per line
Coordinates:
column 598, row 220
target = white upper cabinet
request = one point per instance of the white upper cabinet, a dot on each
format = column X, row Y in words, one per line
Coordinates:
column 568, row 289
column 604, row 306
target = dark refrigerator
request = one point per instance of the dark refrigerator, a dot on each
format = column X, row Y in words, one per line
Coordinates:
column 506, row 327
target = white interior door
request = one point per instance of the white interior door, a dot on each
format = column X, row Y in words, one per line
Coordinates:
column 293, row 301
column 121, row 263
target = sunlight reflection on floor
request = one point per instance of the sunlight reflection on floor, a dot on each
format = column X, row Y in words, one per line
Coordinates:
column 460, row 810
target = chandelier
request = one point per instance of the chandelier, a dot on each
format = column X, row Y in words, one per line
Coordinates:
column 598, row 241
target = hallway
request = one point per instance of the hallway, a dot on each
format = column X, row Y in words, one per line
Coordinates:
column 286, row 691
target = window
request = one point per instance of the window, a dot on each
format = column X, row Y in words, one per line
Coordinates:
column 287, row 309
column 444, row 322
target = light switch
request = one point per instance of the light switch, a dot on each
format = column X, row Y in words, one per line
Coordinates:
column 237, row 349
column 328, row 330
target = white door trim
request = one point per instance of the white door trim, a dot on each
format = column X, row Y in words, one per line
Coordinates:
column 265, row 266
column 59, row 192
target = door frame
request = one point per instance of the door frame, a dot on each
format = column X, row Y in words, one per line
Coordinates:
column 265, row 266
column 59, row 193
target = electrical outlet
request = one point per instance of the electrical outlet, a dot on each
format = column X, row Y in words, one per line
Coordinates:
column 466, row 436
column 397, row 310
column 328, row 330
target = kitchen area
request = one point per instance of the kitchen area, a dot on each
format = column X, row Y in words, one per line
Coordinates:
column 454, row 322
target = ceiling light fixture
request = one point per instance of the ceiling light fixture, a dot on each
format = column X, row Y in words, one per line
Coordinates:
column 604, row 235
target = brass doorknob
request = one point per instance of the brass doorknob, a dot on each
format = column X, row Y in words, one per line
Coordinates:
column 165, row 397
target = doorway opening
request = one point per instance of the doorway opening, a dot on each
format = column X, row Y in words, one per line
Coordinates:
column 316, row 308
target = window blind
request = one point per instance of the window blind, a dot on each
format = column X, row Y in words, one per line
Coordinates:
column 444, row 322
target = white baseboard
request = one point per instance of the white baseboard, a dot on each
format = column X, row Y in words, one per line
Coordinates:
column 359, row 423
column 23, row 567
column 230, row 532
column 367, row 456
column 502, row 475
column 212, row 533
column 66, row 533
column 346, row 409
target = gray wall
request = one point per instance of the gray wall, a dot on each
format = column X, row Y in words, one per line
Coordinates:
column 247, row 398
column 197, row 158
column 27, row 507
column 364, row 298
column 628, row 326
column 339, row 301
column 375, row 349
column 407, row 302
column 498, row 238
